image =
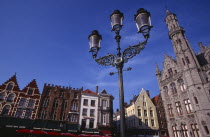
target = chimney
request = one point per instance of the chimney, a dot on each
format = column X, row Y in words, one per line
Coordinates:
column 96, row 89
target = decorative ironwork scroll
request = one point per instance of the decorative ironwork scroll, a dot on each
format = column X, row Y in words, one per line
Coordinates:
column 106, row 60
column 132, row 51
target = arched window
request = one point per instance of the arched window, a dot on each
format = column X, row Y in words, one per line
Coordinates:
column 10, row 86
column 55, row 104
column 74, row 106
column 196, row 100
column 173, row 88
column 61, row 93
column 45, row 102
column 64, row 104
column 75, row 95
column 2, row 96
column 5, row 110
column 31, row 103
column 182, row 85
column 165, row 89
column 22, row 102
column 10, row 98
column 28, row 113
column 19, row 113
column 47, row 92
column 30, row 91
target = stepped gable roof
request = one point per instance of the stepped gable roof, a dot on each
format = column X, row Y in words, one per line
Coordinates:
column 32, row 84
column 12, row 79
column 155, row 99
column 135, row 98
column 88, row 91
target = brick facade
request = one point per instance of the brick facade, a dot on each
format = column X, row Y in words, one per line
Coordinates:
column 19, row 103
column 60, row 103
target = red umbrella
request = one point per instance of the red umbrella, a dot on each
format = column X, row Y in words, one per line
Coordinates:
column 84, row 135
column 38, row 132
column 96, row 136
column 24, row 131
column 68, row 134
column 54, row 133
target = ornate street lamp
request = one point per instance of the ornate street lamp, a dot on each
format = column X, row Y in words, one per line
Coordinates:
column 143, row 23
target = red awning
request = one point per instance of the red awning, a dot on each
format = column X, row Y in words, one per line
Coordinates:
column 68, row 134
column 106, row 132
column 24, row 131
column 54, row 133
column 84, row 135
column 38, row 132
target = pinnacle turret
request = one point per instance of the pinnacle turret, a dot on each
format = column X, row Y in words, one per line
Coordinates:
column 158, row 72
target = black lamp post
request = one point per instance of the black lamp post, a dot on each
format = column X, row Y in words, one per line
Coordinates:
column 143, row 23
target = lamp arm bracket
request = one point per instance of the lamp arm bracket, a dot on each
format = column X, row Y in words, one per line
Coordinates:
column 132, row 51
column 107, row 60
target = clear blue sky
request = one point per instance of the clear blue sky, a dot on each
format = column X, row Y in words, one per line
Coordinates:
column 47, row 40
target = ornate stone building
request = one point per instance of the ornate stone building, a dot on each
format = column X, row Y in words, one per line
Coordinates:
column 60, row 103
column 184, row 85
column 19, row 103
column 163, row 129
column 141, row 116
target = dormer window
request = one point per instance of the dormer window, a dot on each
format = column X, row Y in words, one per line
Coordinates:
column 30, row 91
column 10, row 86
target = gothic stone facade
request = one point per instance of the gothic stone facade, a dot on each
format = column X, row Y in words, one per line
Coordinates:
column 19, row 103
column 185, row 86
column 60, row 103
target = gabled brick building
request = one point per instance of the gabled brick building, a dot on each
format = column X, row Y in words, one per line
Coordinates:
column 19, row 103
column 158, row 102
column 60, row 103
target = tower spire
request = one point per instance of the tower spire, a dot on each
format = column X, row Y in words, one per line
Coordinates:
column 158, row 72
column 202, row 47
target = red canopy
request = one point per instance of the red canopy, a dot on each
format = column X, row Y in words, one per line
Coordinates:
column 96, row 136
column 84, row 135
column 107, row 132
column 38, row 132
column 24, row 131
column 54, row 133
column 68, row 134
